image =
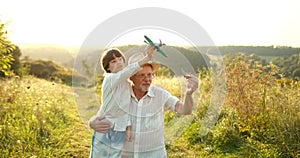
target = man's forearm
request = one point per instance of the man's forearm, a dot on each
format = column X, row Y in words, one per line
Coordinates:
column 186, row 107
column 188, row 104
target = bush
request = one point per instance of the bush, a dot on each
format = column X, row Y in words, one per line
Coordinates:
column 52, row 71
column 267, row 108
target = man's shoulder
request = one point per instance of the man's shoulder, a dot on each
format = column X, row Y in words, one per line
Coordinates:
column 156, row 89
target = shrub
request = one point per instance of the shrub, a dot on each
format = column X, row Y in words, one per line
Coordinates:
column 52, row 71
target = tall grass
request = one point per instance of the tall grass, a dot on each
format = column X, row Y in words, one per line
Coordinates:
column 267, row 108
column 39, row 119
column 260, row 118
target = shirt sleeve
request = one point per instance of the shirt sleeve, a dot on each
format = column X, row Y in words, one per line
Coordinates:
column 128, row 123
column 114, row 79
column 171, row 102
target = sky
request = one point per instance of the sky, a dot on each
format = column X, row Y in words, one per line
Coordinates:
column 230, row 22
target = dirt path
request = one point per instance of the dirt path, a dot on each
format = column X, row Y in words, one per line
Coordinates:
column 86, row 102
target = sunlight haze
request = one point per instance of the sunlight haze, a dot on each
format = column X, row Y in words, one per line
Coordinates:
column 227, row 22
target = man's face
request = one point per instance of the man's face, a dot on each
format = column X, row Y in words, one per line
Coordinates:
column 142, row 79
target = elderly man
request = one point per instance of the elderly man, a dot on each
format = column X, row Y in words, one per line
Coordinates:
column 147, row 106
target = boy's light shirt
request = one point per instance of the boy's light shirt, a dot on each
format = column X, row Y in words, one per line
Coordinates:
column 116, row 96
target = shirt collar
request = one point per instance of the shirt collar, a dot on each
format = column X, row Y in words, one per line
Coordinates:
column 106, row 73
column 150, row 92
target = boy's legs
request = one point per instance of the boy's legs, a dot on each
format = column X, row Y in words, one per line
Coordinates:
column 158, row 153
column 117, row 143
column 108, row 145
column 99, row 149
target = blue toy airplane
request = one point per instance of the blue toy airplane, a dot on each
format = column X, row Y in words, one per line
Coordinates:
column 156, row 45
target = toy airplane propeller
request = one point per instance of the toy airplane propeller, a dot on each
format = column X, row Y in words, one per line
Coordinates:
column 156, row 45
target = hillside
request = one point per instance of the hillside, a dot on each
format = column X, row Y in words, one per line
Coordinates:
column 265, row 52
column 59, row 54
column 39, row 118
column 53, row 71
column 86, row 59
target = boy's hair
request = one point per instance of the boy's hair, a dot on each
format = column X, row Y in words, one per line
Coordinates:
column 109, row 55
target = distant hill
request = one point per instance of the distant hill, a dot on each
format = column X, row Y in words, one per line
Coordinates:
column 60, row 54
column 275, row 51
column 265, row 52
column 262, row 51
column 89, row 56
column 50, row 70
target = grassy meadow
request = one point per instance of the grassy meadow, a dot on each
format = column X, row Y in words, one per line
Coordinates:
column 260, row 117
column 39, row 119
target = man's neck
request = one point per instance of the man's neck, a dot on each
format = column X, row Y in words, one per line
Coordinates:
column 138, row 94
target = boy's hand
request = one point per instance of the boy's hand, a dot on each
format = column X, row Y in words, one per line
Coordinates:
column 149, row 51
column 129, row 134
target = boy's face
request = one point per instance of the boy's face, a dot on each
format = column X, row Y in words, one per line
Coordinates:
column 116, row 64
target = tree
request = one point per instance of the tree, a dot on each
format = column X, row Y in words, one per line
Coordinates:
column 16, row 65
column 289, row 66
column 6, row 55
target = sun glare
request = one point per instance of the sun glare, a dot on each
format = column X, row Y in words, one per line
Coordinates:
column 228, row 23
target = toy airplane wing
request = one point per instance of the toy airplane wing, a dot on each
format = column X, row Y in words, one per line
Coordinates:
column 157, row 46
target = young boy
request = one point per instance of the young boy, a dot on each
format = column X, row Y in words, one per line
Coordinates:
column 115, row 102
